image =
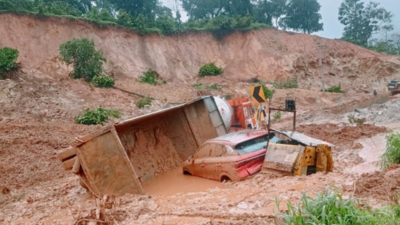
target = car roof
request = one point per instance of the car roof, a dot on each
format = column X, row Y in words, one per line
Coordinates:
column 235, row 138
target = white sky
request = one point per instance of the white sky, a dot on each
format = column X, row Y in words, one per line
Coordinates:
column 330, row 12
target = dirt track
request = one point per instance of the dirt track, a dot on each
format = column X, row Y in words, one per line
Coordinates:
column 38, row 107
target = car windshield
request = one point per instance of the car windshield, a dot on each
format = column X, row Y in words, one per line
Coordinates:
column 255, row 144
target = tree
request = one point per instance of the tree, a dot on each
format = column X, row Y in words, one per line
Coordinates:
column 362, row 22
column 303, row 15
column 7, row 60
column 266, row 10
column 86, row 60
column 203, row 9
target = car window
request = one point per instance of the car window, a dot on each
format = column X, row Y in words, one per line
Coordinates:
column 255, row 144
column 203, row 151
column 218, row 150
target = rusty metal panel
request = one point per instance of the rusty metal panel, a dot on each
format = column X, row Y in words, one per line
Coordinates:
column 157, row 144
column 302, row 138
column 106, row 167
column 200, row 122
column 282, row 157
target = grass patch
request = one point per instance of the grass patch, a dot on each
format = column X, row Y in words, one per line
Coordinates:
column 331, row 208
column 267, row 92
column 143, row 102
column 354, row 120
column 277, row 116
column 97, row 116
column 199, row 86
column 392, row 152
column 150, row 77
column 214, row 86
column 289, row 83
column 335, row 89
column 103, row 81
column 210, row 70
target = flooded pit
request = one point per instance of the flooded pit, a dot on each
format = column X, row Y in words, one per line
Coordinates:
column 174, row 181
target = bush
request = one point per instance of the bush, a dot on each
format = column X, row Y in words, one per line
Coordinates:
column 392, row 152
column 210, row 70
column 290, row 83
column 87, row 62
column 336, row 89
column 143, row 102
column 150, row 77
column 103, row 81
column 214, row 86
column 7, row 60
column 199, row 85
column 331, row 208
column 277, row 116
column 267, row 93
column 354, row 120
column 97, row 116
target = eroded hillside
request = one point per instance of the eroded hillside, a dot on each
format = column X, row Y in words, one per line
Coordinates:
column 266, row 54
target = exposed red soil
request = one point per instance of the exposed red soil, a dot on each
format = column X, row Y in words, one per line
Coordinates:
column 382, row 185
column 338, row 135
column 37, row 110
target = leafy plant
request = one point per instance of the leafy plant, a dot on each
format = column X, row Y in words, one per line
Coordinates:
column 214, row 86
column 335, row 89
column 210, row 70
column 354, row 120
column 392, row 153
column 7, row 60
column 83, row 56
column 143, row 102
column 97, row 116
column 277, row 116
column 331, row 208
column 103, row 81
column 267, row 92
column 289, row 83
column 150, row 77
column 199, row 86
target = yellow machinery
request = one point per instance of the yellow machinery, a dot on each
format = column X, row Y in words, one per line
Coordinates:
column 298, row 158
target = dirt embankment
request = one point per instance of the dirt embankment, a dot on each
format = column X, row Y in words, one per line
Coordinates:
column 266, row 54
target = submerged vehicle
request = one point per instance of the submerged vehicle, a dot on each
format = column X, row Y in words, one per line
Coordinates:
column 233, row 156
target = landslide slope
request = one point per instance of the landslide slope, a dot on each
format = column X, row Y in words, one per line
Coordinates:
column 267, row 54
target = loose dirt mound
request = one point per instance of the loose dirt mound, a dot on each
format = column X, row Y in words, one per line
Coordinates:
column 340, row 136
column 383, row 185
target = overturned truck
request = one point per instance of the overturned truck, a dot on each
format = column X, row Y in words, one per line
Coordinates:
column 118, row 158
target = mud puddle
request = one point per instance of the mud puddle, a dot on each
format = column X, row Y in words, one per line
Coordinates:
column 174, row 181
column 373, row 148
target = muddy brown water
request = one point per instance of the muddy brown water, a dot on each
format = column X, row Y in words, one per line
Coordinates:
column 174, row 181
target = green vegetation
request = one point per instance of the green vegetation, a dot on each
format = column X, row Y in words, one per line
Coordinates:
column 150, row 77
column 305, row 19
column 214, row 86
column 87, row 62
column 354, row 120
column 331, row 208
column 289, row 83
column 143, row 102
column 336, row 89
column 277, row 116
column 103, row 81
column 199, row 86
column 392, row 153
column 210, row 70
column 267, row 92
column 7, row 60
column 97, row 116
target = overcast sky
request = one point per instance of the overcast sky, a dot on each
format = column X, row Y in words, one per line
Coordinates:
column 330, row 12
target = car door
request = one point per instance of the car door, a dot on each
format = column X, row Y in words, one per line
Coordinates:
column 215, row 161
column 200, row 160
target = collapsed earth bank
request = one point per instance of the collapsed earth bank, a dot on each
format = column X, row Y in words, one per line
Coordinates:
column 266, row 54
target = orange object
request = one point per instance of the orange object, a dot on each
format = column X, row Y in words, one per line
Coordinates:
column 242, row 113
